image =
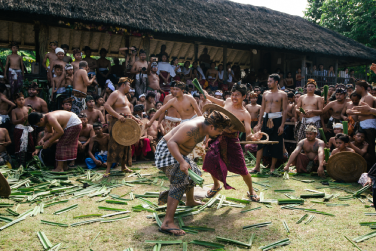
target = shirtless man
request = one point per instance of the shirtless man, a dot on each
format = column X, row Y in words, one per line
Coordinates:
column 203, row 101
column 153, row 78
column 335, row 107
column 313, row 156
column 139, row 68
column 92, row 63
column 77, row 54
column 99, row 101
column 171, row 158
column 6, row 106
column 185, row 105
column 100, row 139
column 273, row 109
column 171, row 118
column 51, row 56
column 104, row 68
column 80, row 84
column 312, row 105
column 14, row 70
column 254, row 109
column 59, row 61
column 218, row 166
column 93, row 115
column 150, row 101
column 367, row 122
column 67, row 127
column 58, row 82
column 4, row 142
column 118, row 106
column 38, row 104
column 342, row 144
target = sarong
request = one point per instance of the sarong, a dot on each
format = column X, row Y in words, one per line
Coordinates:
column 316, row 121
column 4, row 158
column 66, row 148
column 15, row 79
column 4, row 119
column 275, row 150
column 23, row 139
column 138, row 150
column 302, row 161
column 369, row 126
column 79, row 103
column 170, row 123
column 179, row 181
column 140, row 84
column 225, row 155
column 118, row 153
column 102, row 156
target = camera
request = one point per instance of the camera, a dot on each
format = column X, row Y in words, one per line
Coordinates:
column 143, row 69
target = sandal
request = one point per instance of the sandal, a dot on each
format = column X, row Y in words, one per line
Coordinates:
column 106, row 175
column 252, row 197
column 253, row 171
column 168, row 231
column 212, row 193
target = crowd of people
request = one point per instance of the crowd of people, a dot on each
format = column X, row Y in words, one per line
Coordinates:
column 178, row 126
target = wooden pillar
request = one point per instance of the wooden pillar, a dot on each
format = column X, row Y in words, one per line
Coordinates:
column 225, row 62
column 303, row 70
column 146, row 42
column 196, row 51
column 336, row 72
column 43, row 40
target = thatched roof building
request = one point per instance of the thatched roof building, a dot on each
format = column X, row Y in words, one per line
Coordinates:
column 212, row 21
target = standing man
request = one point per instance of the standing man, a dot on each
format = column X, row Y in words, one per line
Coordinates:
column 171, row 118
column 14, row 70
column 139, row 68
column 273, row 109
column 118, row 107
column 312, row 105
column 171, row 158
column 367, row 122
column 66, row 127
column 225, row 154
column 80, row 84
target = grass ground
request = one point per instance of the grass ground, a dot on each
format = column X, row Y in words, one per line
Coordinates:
column 323, row 233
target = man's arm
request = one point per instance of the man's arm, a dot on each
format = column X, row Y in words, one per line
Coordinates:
column 50, row 71
column 91, row 144
column 294, row 154
column 101, row 117
column 320, row 170
column 299, row 104
column 44, row 106
column 162, row 110
column 86, row 79
column 134, row 69
column 58, row 131
column 247, row 125
column 359, row 151
column 343, row 113
column 215, row 100
column 7, row 138
column 362, row 109
column 262, row 109
column 92, row 134
column 10, row 103
column 284, row 114
column 195, row 106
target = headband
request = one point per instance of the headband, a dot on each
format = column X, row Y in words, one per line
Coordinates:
column 337, row 126
column 142, row 95
column 58, row 49
column 68, row 67
column 180, row 85
column 311, row 128
column 218, row 119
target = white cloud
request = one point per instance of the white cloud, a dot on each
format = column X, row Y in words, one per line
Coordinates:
column 292, row 7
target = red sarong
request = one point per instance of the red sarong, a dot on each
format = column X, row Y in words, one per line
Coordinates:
column 225, row 155
column 137, row 149
column 66, row 148
column 301, row 163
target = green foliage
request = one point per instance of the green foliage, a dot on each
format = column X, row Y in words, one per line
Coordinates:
column 313, row 12
column 28, row 57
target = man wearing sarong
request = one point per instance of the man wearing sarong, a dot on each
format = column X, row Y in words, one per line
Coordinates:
column 66, row 127
column 336, row 108
column 171, row 158
column 224, row 153
column 118, row 106
column 139, row 69
column 273, row 108
column 80, row 83
column 312, row 105
column 366, row 122
column 14, row 70
column 185, row 105
column 312, row 157
column 171, row 118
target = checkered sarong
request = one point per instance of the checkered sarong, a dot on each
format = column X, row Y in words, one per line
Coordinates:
column 66, row 148
column 163, row 156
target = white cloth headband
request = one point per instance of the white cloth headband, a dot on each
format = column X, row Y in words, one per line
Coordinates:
column 58, row 49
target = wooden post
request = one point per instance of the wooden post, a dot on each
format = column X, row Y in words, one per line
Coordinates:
column 147, row 47
column 43, row 40
column 336, row 72
column 225, row 62
column 303, row 70
column 196, row 52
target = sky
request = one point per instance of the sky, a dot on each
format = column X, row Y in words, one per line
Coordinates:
column 292, row 7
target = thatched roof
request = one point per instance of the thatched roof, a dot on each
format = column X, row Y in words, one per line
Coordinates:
column 203, row 20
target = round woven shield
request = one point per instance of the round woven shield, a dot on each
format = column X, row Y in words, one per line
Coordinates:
column 346, row 166
column 126, row 133
column 234, row 120
column 4, row 187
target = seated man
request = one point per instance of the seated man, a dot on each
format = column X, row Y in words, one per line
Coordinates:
column 4, row 142
column 337, row 128
column 313, row 156
column 67, row 127
column 67, row 104
column 342, row 143
column 171, row 158
column 93, row 115
column 359, row 145
column 98, row 145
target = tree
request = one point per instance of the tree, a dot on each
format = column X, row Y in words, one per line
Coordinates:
column 355, row 19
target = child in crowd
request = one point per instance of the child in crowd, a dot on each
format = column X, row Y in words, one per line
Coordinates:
column 342, row 144
column 337, row 128
column 158, row 105
column 68, row 75
column 141, row 100
column 23, row 139
column 99, row 101
column 359, row 144
column 14, row 70
column 67, row 104
column 58, row 85
column 59, row 61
